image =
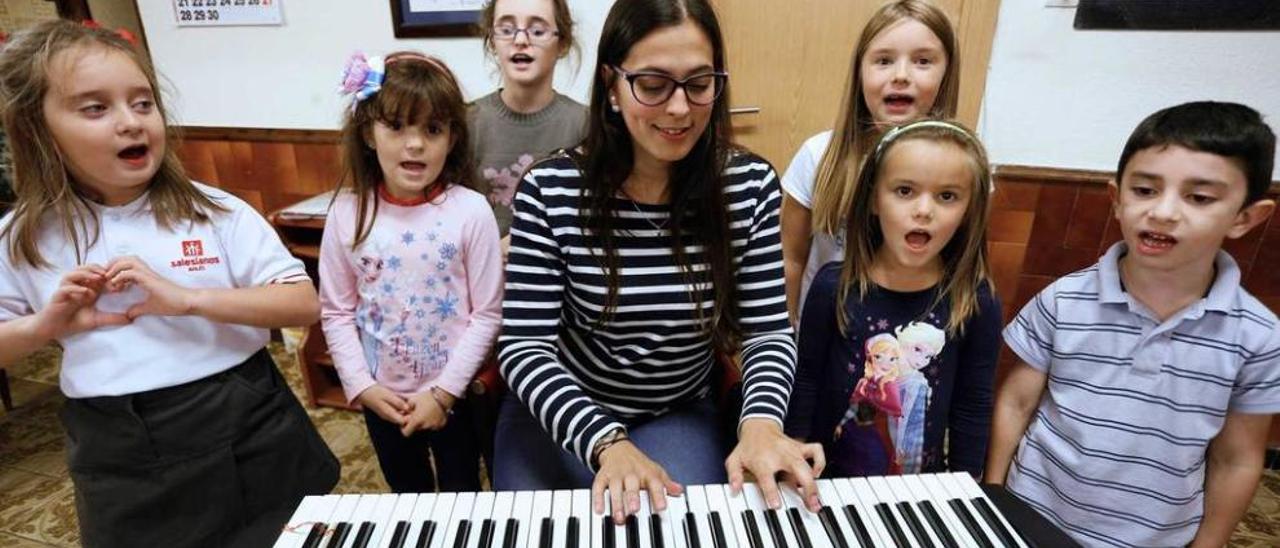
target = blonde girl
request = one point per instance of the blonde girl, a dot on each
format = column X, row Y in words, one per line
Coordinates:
column 161, row 292
column 916, row 262
column 906, row 66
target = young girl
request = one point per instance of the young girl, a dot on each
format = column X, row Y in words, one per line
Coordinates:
column 906, row 66
column 898, row 343
column 410, row 270
column 526, row 118
column 180, row 431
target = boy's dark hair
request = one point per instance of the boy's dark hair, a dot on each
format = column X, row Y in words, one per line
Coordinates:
column 1226, row 129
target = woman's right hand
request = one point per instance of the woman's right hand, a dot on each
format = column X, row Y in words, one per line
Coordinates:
column 624, row 471
column 386, row 404
column 73, row 307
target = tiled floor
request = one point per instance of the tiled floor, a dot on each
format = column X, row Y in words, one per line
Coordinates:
column 37, row 503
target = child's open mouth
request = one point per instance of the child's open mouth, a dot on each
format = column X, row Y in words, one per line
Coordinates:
column 917, row 240
column 521, row 59
column 897, row 101
column 415, row 167
column 1155, row 241
column 134, row 155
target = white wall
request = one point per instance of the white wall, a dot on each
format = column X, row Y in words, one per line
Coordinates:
column 287, row 76
column 1065, row 98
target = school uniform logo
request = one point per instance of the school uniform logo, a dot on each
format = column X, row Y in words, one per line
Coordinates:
column 193, row 259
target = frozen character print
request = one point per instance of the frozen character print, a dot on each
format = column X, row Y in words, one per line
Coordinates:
column 920, row 344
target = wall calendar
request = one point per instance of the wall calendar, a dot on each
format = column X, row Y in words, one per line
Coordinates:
column 226, row 13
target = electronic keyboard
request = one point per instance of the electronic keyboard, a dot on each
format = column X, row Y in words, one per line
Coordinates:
column 909, row 511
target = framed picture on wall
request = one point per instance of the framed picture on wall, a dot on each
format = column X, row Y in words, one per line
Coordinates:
column 435, row 18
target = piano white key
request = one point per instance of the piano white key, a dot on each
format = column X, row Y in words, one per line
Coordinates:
column 958, row 493
column 966, row 482
column 364, row 512
column 808, row 520
column 755, row 502
column 925, row 487
column 718, row 502
column 597, row 524
column 399, row 513
column 674, row 519
column 698, row 507
column 561, row 509
column 784, row 524
column 522, row 510
column 304, row 517
column 734, row 506
column 667, row 539
column 441, row 514
column 831, row 499
column 420, row 514
column 481, row 510
column 885, row 495
column 541, row 510
column 461, row 513
column 619, row 531
column 582, row 511
column 904, row 494
column 642, row 521
column 501, row 513
column 381, row 518
column 864, row 499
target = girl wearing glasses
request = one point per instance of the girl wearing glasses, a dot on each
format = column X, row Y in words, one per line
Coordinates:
column 526, row 118
column 635, row 259
column 905, row 67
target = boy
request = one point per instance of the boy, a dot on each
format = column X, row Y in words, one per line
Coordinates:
column 1140, row 413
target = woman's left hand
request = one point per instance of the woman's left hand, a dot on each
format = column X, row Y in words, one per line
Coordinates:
column 765, row 451
column 164, row 298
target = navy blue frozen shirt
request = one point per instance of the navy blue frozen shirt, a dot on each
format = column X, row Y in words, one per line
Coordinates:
column 882, row 398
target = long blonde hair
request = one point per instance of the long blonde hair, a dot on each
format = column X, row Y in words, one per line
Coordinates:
column 41, row 183
column 964, row 259
column 854, row 130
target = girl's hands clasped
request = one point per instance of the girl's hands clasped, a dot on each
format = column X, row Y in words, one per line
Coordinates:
column 73, row 307
column 624, row 471
column 164, row 298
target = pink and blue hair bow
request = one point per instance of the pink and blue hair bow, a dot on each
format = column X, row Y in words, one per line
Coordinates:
column 362, row 77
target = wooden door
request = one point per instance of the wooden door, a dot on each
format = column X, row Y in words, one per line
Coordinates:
column 790, row 59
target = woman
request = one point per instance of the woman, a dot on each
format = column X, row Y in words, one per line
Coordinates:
column 615, row 307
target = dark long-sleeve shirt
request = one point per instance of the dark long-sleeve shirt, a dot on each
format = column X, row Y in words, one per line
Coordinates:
column 921, row 384
column 582, row 379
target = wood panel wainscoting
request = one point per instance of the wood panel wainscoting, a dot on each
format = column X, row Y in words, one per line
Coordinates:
column 1045, row 222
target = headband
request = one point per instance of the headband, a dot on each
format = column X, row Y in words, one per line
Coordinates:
column 898, row 131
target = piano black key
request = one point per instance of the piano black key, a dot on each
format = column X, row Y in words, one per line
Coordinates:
column 607, row 523
column 859, row 526
column 397, row 537
column 753, row 529
column 970, row 523
column 424, row 536
column 571, row 536
column 486, row 534
column 548, row 532
column 914, row 523
column 339, row 535
column 633, row 531
column 989, row 514
column 832, row 527
column 775, row 528
column 655, row 530
column 464, row 531
column 513, row 528
column 932, row 516
column 363, row 535
column 895, row 529
column 691, row 531
column 315, row 535
column 717, row 531
column 797, row 526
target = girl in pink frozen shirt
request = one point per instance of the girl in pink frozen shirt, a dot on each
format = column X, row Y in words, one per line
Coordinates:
column 410, row 270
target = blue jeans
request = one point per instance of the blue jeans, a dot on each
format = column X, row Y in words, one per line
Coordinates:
column 686, row 441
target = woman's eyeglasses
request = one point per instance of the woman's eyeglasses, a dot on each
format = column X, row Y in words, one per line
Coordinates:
column 654, row 88
column 536, row 33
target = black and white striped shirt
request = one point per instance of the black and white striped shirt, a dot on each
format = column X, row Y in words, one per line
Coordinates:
column 581, row 379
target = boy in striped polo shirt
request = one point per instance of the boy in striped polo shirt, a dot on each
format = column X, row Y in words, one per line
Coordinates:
column 1139, row 415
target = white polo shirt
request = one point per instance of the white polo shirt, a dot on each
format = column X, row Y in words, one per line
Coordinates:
column 236, row 249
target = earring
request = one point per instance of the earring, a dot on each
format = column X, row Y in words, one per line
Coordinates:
column 613, row 104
